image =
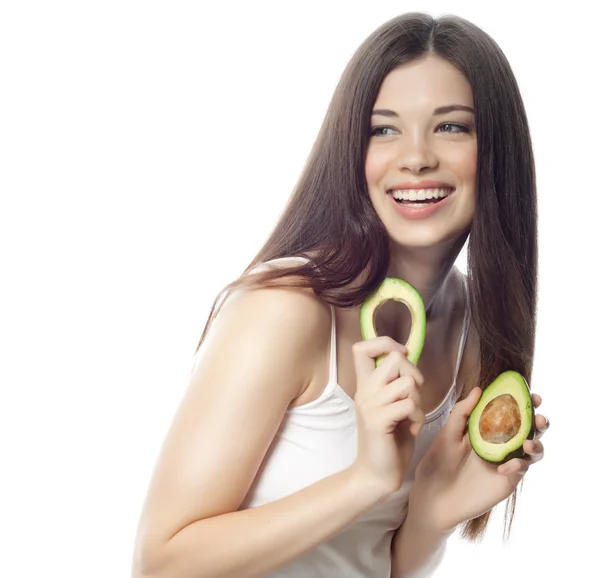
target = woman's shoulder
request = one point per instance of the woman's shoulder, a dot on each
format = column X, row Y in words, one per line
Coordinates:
column 286, row 326
column 286, row 298
column 285, row 307
column 293, row 308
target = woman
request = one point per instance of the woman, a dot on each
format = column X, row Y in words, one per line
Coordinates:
column 291, row 454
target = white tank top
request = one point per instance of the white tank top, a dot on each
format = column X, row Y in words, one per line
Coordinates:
column 318, row 439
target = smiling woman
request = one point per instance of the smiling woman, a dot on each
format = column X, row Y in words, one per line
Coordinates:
column 344, row 468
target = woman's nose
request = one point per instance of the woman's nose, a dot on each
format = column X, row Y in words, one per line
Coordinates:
column 415, row 156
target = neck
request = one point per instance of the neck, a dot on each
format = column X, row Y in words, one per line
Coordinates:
column 427, row 270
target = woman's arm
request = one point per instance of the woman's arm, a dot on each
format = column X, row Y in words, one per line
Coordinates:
column 257, row 358
column 417, row 550
column 257, row 541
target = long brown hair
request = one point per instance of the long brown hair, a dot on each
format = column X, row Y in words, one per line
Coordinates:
column 329, row 215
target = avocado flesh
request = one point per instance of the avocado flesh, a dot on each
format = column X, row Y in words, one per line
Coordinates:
column 502, row 419
column 398, row 290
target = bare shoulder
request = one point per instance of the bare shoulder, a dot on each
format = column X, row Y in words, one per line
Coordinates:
column 279, row 326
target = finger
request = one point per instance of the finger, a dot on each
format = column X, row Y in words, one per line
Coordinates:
column 537, row 400
column 401, row 388
column 515, row 468
column 542, row 423
column 406, row 367
column 406, row 409
column 404, row 387
column 534, row 450
column 389, row 369
column 457, row 422
column 365, row 352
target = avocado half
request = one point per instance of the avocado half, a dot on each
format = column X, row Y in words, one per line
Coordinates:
column 398, row 290
column 502, row 419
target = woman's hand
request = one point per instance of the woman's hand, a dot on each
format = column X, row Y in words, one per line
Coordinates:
column 453, row 484
column 388, row 412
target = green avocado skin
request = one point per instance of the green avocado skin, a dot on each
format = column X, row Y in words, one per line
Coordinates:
column 398, row 290
column 515, row 384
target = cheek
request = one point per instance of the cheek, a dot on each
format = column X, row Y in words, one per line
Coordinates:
column 465, row 165
column 375, row 166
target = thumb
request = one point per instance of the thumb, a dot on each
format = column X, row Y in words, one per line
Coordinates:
column 459, row 416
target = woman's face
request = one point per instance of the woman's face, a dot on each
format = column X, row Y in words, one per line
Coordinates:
column 423, row 137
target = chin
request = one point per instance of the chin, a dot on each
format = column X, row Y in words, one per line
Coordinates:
column 427, row 239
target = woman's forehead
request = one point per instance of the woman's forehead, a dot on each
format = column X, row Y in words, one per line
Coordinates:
column 424, row 84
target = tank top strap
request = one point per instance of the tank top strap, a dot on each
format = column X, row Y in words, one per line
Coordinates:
column 332, row 349
column 464, row 331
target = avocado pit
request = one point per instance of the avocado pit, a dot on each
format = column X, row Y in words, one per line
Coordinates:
column 500, row 420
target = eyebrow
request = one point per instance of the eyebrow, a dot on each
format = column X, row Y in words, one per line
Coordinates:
column 436, row 112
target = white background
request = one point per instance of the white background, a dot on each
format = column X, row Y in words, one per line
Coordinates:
column 147, row 150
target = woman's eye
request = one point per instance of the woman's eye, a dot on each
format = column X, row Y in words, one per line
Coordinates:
column 382, row 130
column 453, row 127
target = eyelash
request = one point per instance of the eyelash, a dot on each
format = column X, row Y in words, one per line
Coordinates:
column 461, row 127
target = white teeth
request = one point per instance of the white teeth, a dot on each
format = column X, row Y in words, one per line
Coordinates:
column 421, row 194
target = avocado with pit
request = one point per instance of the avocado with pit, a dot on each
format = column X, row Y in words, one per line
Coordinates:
column 398, row 290
column 502, row 419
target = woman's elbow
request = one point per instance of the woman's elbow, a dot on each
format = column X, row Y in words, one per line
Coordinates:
column 149, row 558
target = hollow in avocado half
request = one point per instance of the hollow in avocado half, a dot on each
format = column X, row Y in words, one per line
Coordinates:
column 502, row 419
column 398, row 290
